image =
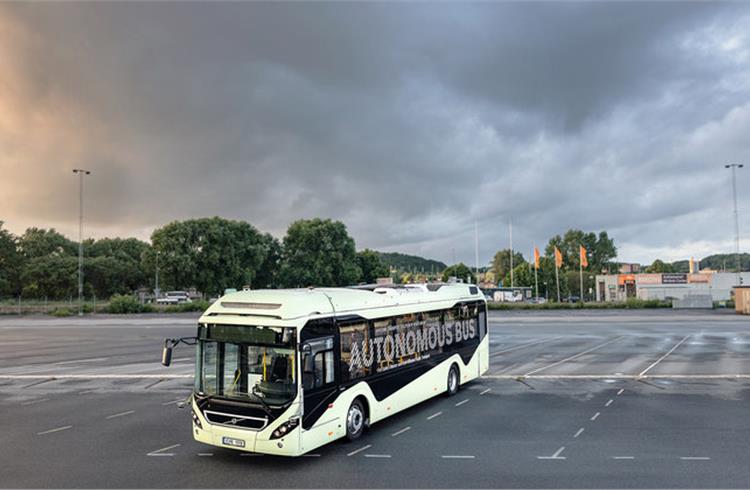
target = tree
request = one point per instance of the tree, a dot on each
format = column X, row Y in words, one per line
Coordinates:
column 210, row 254
column 114, row 266
column 659, row 266
column 50, row 267
column 501, row 265
column 601, row 250
column 371, row 265
column 38, row 242
column 268, row 273
column 52, row 276
column 319, row 252
column 11, row 263
column 459, row 271
column 523, row 276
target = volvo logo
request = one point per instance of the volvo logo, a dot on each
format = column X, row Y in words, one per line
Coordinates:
column 233, row 421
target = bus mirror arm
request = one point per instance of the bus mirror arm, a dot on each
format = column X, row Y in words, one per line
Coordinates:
column 169, row 344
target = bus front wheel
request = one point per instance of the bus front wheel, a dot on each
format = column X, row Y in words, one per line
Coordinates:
column 453, row 380
column 355, row 420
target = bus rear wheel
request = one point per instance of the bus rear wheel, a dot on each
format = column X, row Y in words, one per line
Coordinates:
column 453, row 381
column 355, row 420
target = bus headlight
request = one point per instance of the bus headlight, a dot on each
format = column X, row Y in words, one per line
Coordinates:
column 196, row 419
column 285, row 428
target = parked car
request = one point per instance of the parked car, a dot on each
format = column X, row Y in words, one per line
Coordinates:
column 174, row 297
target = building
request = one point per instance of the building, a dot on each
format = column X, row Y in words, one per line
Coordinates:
column 742, row 300
column 666, row 286
column 626, row 268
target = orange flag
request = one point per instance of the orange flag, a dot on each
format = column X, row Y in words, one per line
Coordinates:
column 536, row 257
column 558, row 258
column 584, row 259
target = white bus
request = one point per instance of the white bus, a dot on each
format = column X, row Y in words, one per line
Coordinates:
column 286, row 371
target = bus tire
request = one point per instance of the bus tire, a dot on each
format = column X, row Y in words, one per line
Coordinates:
column 453, row 380
column 355, row 420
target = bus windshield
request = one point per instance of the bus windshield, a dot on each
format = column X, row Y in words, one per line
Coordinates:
column 248, row 371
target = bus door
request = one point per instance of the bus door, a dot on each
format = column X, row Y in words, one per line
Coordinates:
column 484, row 354
column 320, row 388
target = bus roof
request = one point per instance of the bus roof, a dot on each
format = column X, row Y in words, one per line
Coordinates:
column 290, row 304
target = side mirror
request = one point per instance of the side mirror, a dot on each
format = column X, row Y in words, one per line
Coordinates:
column 166, row 354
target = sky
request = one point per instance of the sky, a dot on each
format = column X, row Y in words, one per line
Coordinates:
column 409, row 122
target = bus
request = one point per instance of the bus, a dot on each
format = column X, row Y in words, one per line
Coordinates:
column 284, row 372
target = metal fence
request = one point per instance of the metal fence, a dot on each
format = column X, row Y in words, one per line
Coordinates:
column 58, row 306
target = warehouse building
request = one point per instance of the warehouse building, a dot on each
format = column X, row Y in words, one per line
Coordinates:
column 665, row 286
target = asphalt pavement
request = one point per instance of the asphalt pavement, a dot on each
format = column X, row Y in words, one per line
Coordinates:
column 573, row 399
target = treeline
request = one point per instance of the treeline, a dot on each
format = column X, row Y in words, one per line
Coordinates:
column 717, row 262
column 411, row 263
column 600, row 252
column 208, row 254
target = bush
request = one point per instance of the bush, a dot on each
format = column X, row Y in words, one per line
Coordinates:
column 61, row 312
column 199, row 305
column 121, row 304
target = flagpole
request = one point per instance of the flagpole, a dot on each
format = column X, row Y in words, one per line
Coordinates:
column 510, row 232
column 557, row 279
column 536, row 280
column 580, row 264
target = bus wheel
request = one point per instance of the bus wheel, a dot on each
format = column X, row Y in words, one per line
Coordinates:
column 355, row 420
column 452, row 380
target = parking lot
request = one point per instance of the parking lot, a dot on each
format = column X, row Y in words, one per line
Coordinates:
column 636, row 399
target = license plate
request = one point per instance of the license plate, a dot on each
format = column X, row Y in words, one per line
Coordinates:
column 233, row 442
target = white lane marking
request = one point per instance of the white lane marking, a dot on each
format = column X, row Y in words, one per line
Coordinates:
column 58, row 429
column 529, row 344
column 695, row 458
column 576, row 356
column 457, row 456
column 311, row 455
column 623, row 457
column 620, row 392
column 485, row 391
column 77, row 361
column 359, row 450
column 86, row 392
column 596, row 415
column 605, row 376
column 554, row 456
column 400, row 431
column 663, row 357
column 121, row 414
column 172, row 402
column 95, row 376
column 580, row 431
column 462, row 402
column 32, row 402
column 609, row 402
column 206, row 455
column 160, row 452
column 438, row 414
column 377, row 455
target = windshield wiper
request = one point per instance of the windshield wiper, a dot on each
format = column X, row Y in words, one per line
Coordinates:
column 263, row 403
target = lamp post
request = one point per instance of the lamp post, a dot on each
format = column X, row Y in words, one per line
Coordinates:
column 734, row 167
column 81, row 172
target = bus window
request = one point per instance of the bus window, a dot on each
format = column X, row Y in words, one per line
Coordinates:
column 356, row 343
column 318, row 370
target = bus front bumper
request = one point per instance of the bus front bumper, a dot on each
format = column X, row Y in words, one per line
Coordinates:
column 246, row 440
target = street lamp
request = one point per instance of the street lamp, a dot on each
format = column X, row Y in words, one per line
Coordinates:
column 734, row 167
column 81, row 172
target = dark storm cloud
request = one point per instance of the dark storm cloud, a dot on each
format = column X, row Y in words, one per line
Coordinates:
column 407, row 121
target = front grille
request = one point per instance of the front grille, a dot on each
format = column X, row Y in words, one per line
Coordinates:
column 238, row 421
